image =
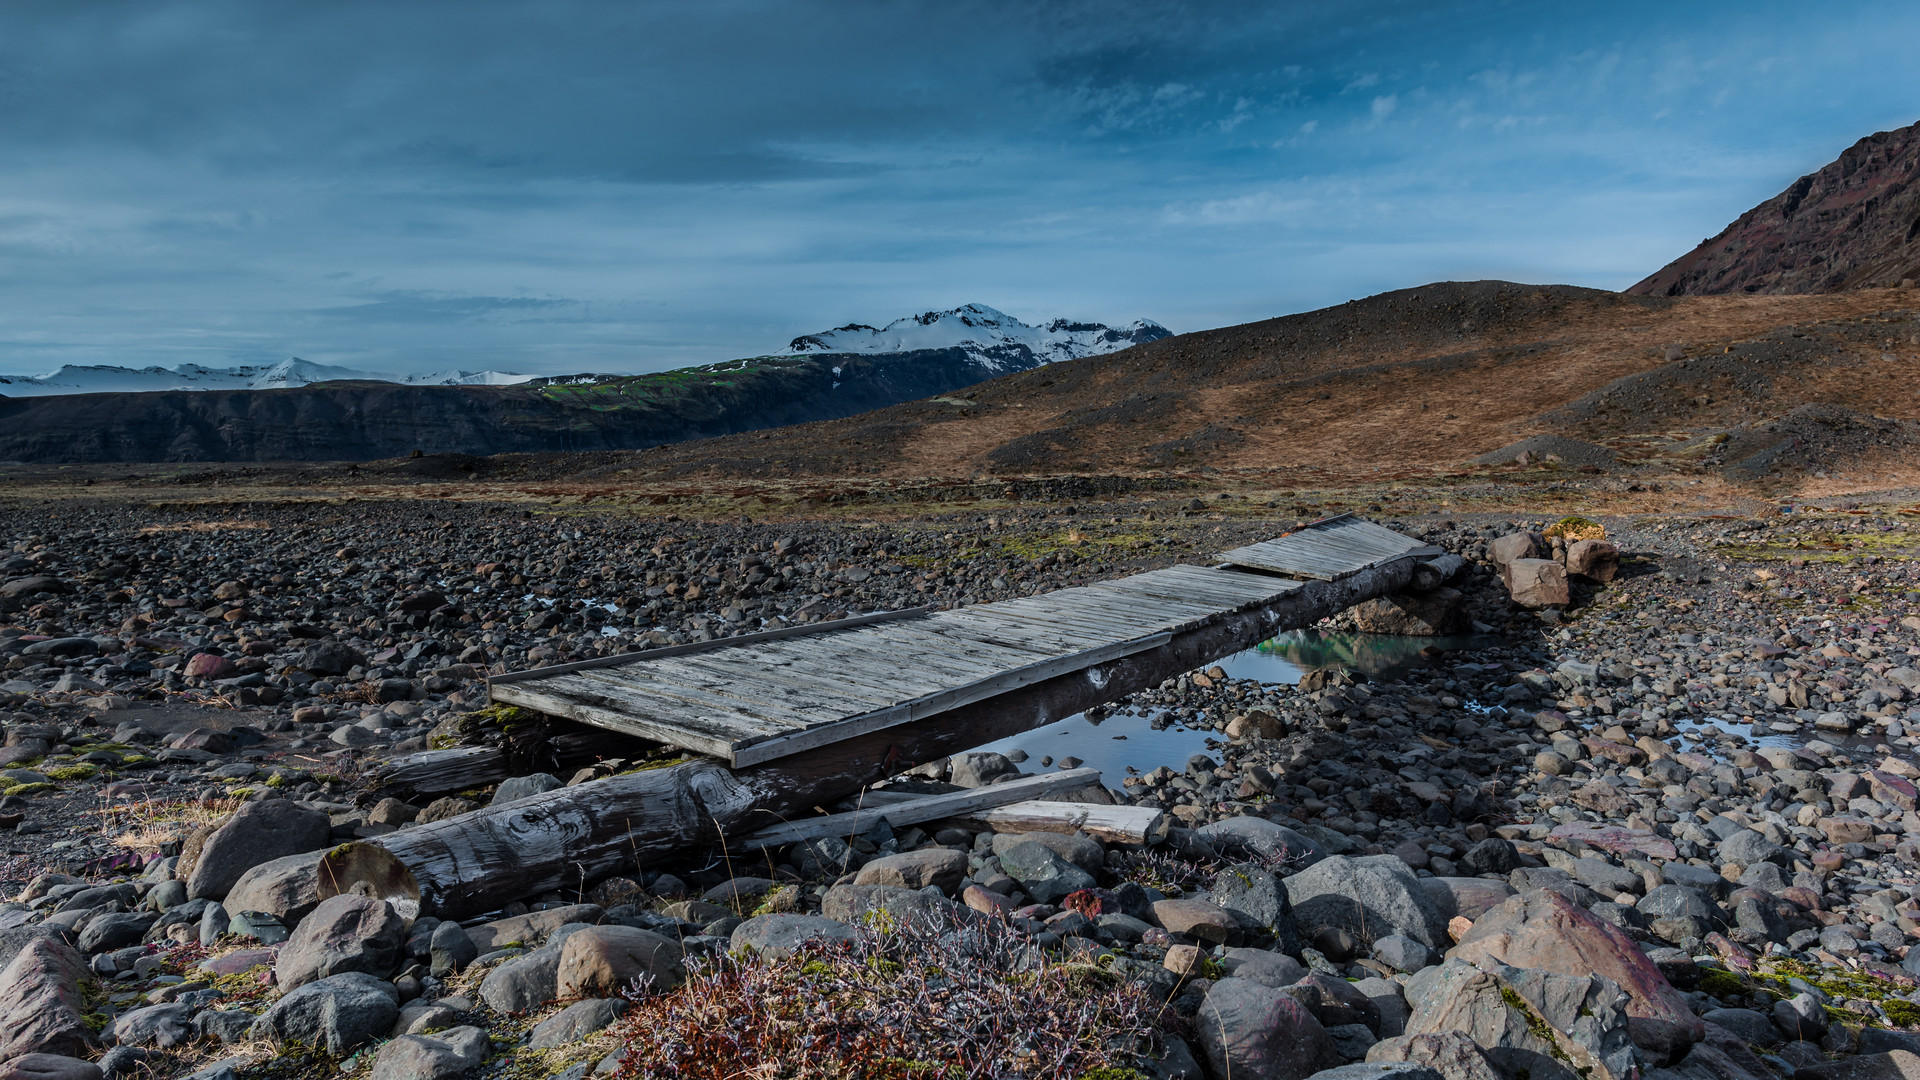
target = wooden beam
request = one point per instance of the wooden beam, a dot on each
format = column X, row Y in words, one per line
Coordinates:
column 568, row 838
column 1113, row 824
column 924, row 808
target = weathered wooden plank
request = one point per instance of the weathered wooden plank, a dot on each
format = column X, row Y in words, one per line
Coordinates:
column 944, row 701
column 664, row 651
column 601, row 713
column 913, row 811
column 1112, row 824
column 835, row 693
column 664, row 686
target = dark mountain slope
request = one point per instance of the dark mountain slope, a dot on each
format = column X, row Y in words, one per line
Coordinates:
column 1853, row 224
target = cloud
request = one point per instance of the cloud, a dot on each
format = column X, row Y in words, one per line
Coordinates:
column 554, row 185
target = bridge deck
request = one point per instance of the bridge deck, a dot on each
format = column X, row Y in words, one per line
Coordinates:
column 758, row 697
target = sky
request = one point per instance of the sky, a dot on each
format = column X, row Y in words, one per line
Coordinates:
column 566, row 186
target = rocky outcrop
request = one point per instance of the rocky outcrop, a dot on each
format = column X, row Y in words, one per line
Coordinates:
column 1851, row 225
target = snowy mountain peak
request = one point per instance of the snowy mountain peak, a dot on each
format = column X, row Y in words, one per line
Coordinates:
column 293, row 371
column 997, row 339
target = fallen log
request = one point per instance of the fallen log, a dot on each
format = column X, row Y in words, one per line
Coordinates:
column 574, row 836
column 1112, row 824
column 1433, row 573
column 912, row 811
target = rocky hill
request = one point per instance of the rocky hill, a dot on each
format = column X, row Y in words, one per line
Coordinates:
column 1853, row 224
column 1408, row 382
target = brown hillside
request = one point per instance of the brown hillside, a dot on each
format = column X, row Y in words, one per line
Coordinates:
column 1853, row 224
column 1398, row 383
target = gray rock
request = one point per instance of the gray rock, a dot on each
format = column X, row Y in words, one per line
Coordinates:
column 49, row 1067
column 523, row 983
column 532, row 929
column 1465, row 896
column 1491, row 856
column 287, row 888
column 1389, row 1002
column 827, row 857
column 1382, row 1070
column 228, row 1026
column 1369, row 897
column 852, row 904
column 259, row 832
column 1452, row 1054
column 1676, row 901
column 780, row 935
column 1876, row 1040
column 260, row 926
column 1045, row 876
column 1271, row 969
column 162, row 1026
column 1253, row 1032
column 451, row 950
column 522, row 787
column 1608, row 879
column 441, row 1056
column 106, row 933
column 1746, row 847
column 336, row 1013
column 213, row 922
column 1352, row 1041
column 575, row 1022
column 330, row 658
column 41, row 1008
column 1258, row 899
column 1557, row 1027
column 1267, row 839
column 125, row 1061
column 1082, row 851
column 976, row 768
column 939, row 867
column 602, row 961
column 1751, row 1026
column 1800, row 1018
column 1402, row 953
column 344, row 933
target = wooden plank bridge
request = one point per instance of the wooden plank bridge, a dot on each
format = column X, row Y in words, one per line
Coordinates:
column 757, row 698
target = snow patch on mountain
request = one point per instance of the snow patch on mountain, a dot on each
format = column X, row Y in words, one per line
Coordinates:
column 291, row 372
column 997, row 340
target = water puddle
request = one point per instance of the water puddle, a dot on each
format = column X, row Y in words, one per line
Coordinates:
column 1145, row 741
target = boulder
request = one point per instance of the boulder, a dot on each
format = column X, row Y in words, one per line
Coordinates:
column 603, row 961
column 1891, row 1065
column 1254, row 1032
column 575, row 1022
column 525, row 787
column 856, row 904
column 1041, row 871
column 1452, row 1054
column 162, row 1026
column 1368, row 897
column 49, row 1067
column 334, row 1014
column 1402, row 953
column 1465, row 897
column 41, row 1010
column 1532, row 1023
column 1747, row 847
column 1208, row 922
column 1082, row 851
column 1544, row 930
column 1268, row 839
column 1504, row 550
column 523, row 983
column 450, row 950
column 1428, row 614
column 344, row 933
column 1595, row 560
column 258, row 832
column 1537, row 583
column 532, row 928
column 780, row 935
column 978, row 768
column 1258, row 899
column 330, row 658
column 939, row 867
column 443, row 1055
column 1265, row 967
column 286, row 888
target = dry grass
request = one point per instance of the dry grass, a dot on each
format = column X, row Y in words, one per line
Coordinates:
column 148, row 825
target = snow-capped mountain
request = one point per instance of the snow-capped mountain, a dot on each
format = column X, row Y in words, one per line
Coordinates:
column 997, row 340
column 107, row 379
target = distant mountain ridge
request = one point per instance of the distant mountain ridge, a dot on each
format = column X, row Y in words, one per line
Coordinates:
column 997, row 340
column 839, row 373
column 293, row 371
column 1853, row 224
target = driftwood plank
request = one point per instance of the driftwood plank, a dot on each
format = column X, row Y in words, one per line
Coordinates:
column 924, row 808
column 1113, row 824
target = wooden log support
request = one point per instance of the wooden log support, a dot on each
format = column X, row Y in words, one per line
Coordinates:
column 1112, row 824
column 1433, row 573
column 571, row 837
column 913, row 811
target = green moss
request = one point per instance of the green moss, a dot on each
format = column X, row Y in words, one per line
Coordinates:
column 1901, row 1013
column 72, row 772
column 1107, row 1073
column 1721, row 984
column 25, row 789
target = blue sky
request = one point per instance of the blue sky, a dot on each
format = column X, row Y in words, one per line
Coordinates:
column 561, row 186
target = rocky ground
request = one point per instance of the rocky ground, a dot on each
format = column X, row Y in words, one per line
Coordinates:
column 1664, row 825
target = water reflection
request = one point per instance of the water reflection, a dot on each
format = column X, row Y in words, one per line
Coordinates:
column 1147, row 740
